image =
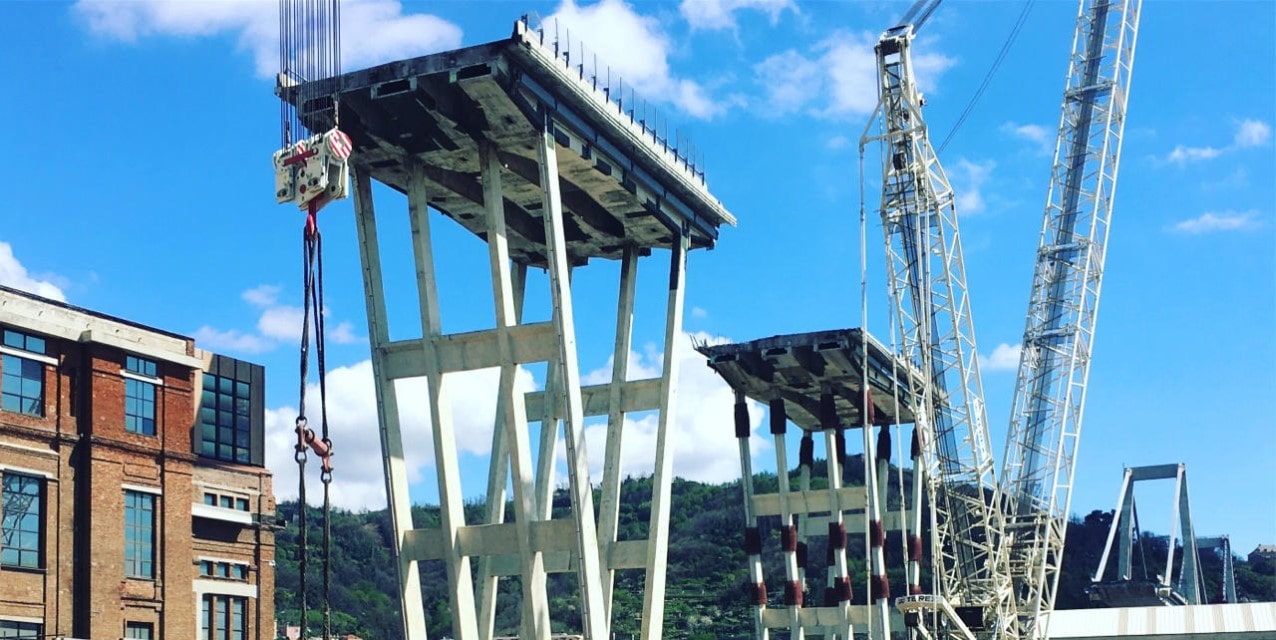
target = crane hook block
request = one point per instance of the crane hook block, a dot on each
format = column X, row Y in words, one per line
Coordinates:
column 314, row 171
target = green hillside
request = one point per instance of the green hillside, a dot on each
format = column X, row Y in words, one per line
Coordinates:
column 707, row 566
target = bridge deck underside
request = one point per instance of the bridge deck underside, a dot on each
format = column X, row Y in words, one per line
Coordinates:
column 800, row 368
column 621, row 184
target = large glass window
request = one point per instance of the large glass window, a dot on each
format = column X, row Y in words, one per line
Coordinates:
column 225, row 419
column 20, row 630
column 20, row 528
column 139, row 630
column 139, row 397
column 222, row 618
column 22, row 387
column 139, row 535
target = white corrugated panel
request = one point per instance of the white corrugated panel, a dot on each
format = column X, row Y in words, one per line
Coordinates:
column 1201, row 621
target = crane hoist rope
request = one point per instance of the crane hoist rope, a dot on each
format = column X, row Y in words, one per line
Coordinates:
column 992, row 71
column 311, row 171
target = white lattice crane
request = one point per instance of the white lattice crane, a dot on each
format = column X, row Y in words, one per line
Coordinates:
column 927, row 282
column 1003, row 561
column 1054, row 365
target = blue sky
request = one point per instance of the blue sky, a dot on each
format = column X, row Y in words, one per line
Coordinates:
column 138, row 183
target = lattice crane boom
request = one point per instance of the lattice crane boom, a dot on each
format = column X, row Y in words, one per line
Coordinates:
column 927, row 280
column 1045, row 426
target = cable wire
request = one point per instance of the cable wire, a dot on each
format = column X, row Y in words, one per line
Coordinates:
column 992, row 71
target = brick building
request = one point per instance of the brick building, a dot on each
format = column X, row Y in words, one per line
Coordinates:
column 135, row 500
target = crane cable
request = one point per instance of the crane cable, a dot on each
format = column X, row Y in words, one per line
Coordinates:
column 321, row 445
column 992, row 71
column 310, row 51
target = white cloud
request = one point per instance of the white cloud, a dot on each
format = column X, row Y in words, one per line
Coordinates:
column 635, row 47
column 276, row 324
column 372, row 31
column 1004, row 357
column 1218, row 221
column 713, row 15
column 1182, row 155
column 1033, row 133
column 1249, row 134
column 791, row 82
column 851, row 66
column 968, row 179
column 262, row 296
column 281, row 322
column 1252, row 133
column 358, row 476
column 377, row 31
column 343, row 334
column 702, row 435
column 14, row 274
column 212, row 339
column 837, row 143
column 699, row 313
column 837, row 78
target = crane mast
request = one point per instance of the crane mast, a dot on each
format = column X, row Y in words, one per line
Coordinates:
column 928, row 289
column 1038, row 467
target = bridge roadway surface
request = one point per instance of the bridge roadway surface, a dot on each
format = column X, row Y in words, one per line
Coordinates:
column 1244, row 621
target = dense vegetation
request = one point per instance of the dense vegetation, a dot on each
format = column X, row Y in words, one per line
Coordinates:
column 707, row 567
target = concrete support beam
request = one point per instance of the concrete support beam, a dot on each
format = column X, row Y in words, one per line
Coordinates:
column 396, row 478
column 756, row 580
column 653, row 605
column 535, row 619
column 472, row 350
column 840, row 570
column 492, row 539
column 599, row 399
column 609, row 511
column 452, row 508
column 848, row 498
column 593, row 618
column 788, row 551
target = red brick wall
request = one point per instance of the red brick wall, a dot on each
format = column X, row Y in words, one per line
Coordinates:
column 82, row 449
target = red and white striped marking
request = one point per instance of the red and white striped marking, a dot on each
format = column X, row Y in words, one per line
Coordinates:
column 340, row 143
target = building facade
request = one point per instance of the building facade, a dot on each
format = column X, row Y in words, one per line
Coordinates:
column 135, row 503
column 1263, row 554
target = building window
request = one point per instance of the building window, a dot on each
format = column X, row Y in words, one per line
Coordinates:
column 16, row 630
column 225, row 419
column 139, row 397
column 226, row 501
column 223, row 569
column 139, row 535
column 222, row 618
column 20, row 538
column 139, row 630
column 22, row 387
